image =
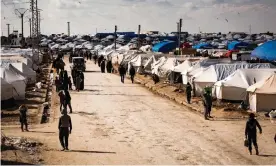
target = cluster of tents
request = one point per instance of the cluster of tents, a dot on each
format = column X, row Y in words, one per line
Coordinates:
column 17, row 72
column 231, row 80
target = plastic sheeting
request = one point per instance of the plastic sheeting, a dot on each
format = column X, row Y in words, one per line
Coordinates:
column 18, row 81
column 26, row 72
column 266, row 51
column 6, row 90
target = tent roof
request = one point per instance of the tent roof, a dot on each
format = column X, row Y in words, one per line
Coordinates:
column 183, row 66
column 236, row 44
column 203, row 45
column 244, row 78
column 219, row 72
column 165, row 46
column 266, row 86
column 11, row 74
column 266, row 51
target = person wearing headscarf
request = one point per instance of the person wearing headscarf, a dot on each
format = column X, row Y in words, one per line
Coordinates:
column 65, row 128
column 109, row 66
column 65, row 80
column 207, row 102
column 67, row 100
column 189, row 92
column 132, row 73
column 23, row 117
column 251, row 132
column 122, row 71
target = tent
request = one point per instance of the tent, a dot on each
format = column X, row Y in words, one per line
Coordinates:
column 209, row 76
column 266, row 51
column 6, row 90
column 203, row 46
column 235, row 45
column 165, row 46
column 139, row 61
column 26, row 72
column 18, row 81
column 234, row 86
column 164, row 66
column 262, row 95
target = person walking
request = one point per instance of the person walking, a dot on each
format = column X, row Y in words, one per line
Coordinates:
column 57, row 83
column 132, row 73
column 189, row 92
column 122, row 72
column 65, row 128
column 61, row 99
column 70, row 83
column 68, row 101
column 103, row 66
column 109, row 66
column 65, row 80
column 78, row 82
column 207, row 102
column 23, row 117
column 251, row 133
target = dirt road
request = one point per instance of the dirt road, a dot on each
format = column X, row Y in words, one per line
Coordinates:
column 115, row 123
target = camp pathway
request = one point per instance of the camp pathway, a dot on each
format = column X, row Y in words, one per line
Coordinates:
column 115, row 123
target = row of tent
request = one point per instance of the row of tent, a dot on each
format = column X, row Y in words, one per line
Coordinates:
column 230, row 80
column 17, row 72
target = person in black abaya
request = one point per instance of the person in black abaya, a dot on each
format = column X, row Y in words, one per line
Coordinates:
column 100, row 59
column 82, row 80
column 109, row 66
column 103, row 66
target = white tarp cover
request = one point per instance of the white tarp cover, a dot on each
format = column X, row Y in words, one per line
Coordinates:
column 27, row 72
column 6, row 90
column 262, row 95
column 18, row 81
column 139, row 61
column 146, row 48
column 208, row 76
column 156, row 65
column 234, row 86
column 164, row 66
column 183, row 66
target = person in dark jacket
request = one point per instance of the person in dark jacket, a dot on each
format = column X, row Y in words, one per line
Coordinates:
column 23, row 117
column 155, row 78
column 189, row 92
column 103, row 66
column 207, row 102
column 68, row 101
column 65, row 128
column 61, row 100
column 74, row 75
column 122, row 71
column 109, row 66
column 132, row 73
column 90, row 55
column 57, row 83
column 251, row 133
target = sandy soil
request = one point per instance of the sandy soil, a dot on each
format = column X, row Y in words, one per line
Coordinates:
column 115, row 123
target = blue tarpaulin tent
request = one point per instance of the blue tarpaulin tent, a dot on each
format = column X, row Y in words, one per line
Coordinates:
column 203, row 46
column 235, row 45
column 266, row 51
column 165, row 46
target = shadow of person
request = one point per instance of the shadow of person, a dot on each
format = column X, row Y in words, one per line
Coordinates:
column 87, row 151
column 266, row 155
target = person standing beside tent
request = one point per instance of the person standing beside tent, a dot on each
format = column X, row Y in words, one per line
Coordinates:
column 103, row 66
column 132, row 73
column 65, row 128
column 251, row 133
column 207, row 102
column 23, row 117
column 122, row 72
column 189, row 92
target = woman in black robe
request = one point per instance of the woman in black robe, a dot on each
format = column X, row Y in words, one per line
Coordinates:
column 103, row 66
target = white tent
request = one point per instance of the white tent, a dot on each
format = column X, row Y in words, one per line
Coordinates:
column 218, row 72
column 6, row 90
column 164, row 66
column 234, row 86
column 139, row 61
column 13, row 76
column 26, row 71
column 262, row 95
column 183, row 66
column 146, row 48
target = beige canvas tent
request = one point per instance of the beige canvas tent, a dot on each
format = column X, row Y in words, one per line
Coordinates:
column 262, row 95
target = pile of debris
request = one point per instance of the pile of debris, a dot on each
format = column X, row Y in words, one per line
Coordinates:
column 19, row 143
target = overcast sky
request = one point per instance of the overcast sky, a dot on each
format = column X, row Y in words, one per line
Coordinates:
column 88, row 15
